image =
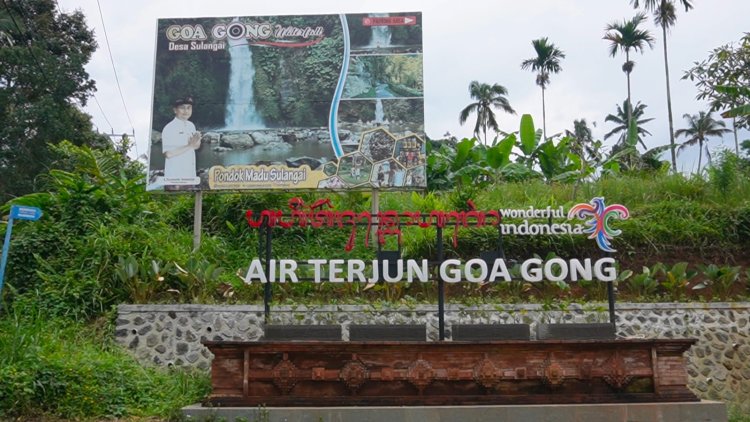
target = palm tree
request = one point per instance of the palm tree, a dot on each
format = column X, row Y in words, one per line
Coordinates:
column 488, row 97
column 700, row 127
column 666, row 16
column 626, row 36
column 547, row 61
column 621, row 119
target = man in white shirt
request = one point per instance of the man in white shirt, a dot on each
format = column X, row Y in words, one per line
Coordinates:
column 179, row 142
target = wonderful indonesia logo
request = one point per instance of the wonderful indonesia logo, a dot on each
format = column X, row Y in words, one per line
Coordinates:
column 596, row 224
column 597, row 217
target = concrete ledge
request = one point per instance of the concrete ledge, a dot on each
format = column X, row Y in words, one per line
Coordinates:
column 705, row 411
column 302, row 332
column 429, row 308
column 382, row 332
column 600, row 331
column 490, row 332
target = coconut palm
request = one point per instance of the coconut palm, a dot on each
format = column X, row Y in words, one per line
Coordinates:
column 621, row 120
column 547, row 61
column 665, row 16
column 487, row 97
column 626, row 36
column 701, row 126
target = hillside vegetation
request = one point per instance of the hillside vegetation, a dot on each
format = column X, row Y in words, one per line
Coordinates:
column 104, row 241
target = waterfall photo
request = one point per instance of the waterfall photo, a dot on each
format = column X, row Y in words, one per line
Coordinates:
column 388, row 76
column 279, row 102
column 385, row 33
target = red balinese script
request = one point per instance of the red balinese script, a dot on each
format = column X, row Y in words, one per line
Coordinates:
column 388, row 223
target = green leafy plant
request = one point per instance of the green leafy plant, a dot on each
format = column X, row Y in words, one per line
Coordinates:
column 644, row 284
column 142, row 280
column 53, row 369
column 725, row 175
column 554, row 160
column 597, row 290
column 674, row 281
column 197, row 279
column 461, row 166
column 721, row 280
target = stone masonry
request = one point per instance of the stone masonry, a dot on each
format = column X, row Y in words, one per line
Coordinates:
column 719, row 364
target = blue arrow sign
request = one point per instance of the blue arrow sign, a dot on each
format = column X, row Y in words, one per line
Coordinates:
column 22, row 212
column 19, row 212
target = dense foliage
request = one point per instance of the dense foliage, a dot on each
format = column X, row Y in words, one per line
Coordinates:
column 726, row 66
column 104, row 241
column 293, row 86
column 62, row 369
column 42, row 83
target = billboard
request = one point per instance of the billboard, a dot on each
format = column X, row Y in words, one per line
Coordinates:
column 288, row 102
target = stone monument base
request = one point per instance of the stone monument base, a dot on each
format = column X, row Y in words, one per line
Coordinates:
column 455, row 373
column 704, row 411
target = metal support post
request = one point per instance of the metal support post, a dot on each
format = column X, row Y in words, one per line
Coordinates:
column 441, row 286
column 267, row 287
column 197, row 220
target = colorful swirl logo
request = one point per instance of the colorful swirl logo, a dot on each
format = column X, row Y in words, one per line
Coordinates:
column 599, row 228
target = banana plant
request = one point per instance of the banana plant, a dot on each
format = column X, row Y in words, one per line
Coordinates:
column 515, row 157
column 469, row 163
column 553, row 157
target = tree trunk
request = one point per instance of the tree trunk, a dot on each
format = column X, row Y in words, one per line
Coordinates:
column 736, row 142
column 629, row 105
column 544, row 118
column 669, row 103
column 700, row 155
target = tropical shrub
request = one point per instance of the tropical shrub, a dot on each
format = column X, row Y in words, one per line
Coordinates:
column 720, row 279
column 67, row 370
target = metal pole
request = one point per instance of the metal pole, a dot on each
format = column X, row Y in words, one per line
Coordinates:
column 4, row 260
column 611, row 300
column 267, row 288
column 261, row 253
column 441, row 286
column 197, row 220
column 500, row 245
column 375, row 202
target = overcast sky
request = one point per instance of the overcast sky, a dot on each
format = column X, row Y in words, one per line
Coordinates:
column 463, row 41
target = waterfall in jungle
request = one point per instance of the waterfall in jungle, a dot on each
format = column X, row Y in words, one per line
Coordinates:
column 240, row 107
column 379, row 114
column 381, row 35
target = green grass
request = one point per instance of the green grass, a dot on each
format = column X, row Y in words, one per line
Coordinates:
column 737, row 415
column 58, row 369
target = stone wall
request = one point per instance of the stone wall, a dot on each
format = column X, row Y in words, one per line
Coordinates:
column 719, row 364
